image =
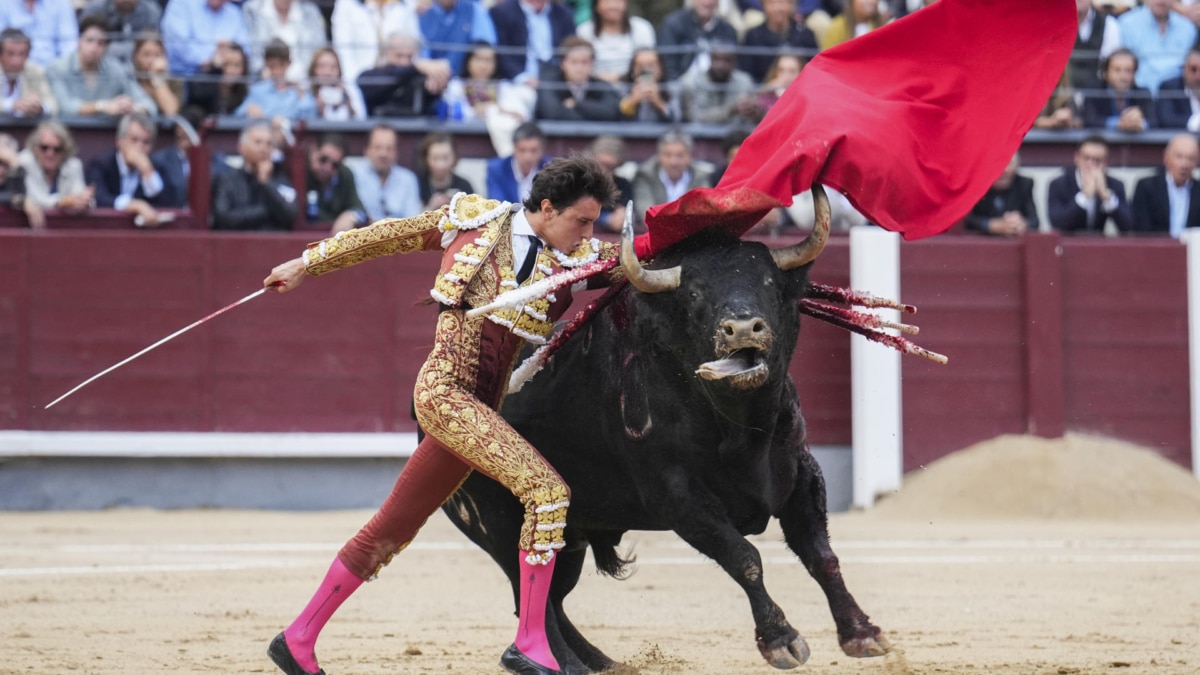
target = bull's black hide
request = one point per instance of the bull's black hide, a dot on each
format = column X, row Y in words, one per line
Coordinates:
column 648, row 444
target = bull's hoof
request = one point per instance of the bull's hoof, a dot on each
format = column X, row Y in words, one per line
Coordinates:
column 862, row 647
column 785, row 652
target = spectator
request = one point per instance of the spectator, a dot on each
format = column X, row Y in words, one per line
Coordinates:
column 1060, row 111
column 363, row 28
column 572, row 92
column 298, row 23
column 721, row 94
column 150, row 73
column 686, row 36
column 510, row 178
column 782, row 73
column 436, row 179
column 1169, row 201
column 127, row 19
column 1099, row 36
column 649, row 97
column 385, row 189
column 449, row 26
column 196, row 31
column 531, row 30
column 1179, row 97
column 1160, row 38
column 1120, row 106
column 779, row 30
column 220, row 88
column 87, row 82
column 1007, row 209
column 477, row 93
column 334, row 99
column 53, row 174
column 26, row 91
column 12, row 184
column 50, row 25
column 276, row 96
column 405, row 85
column 1085, row 197
column 254, row 197
column 666, row 176
column 175, row 167
column 125, row 178
column 609, row 152
column 615, row 35
column 331, row 191
column 860, row 16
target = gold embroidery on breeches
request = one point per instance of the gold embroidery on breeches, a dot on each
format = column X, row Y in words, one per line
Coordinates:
column 450, row 410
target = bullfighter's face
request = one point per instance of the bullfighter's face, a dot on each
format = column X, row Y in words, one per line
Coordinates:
column 565, row 230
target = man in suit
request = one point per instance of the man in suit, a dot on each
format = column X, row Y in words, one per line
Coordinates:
column 666, row 176
column 125, row 178
column 510, row 178
column 174, row 165
column 1169, row 201
column 1007, row 210
column 522, row 52
column 1085, row 197
column 1179, row 97
column 24, row 92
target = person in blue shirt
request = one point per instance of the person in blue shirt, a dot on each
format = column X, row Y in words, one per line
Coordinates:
column 510, row 178
column 194, row 30
column 50, row 25
column 449, row 26
column 385, row 189
column 276, row 96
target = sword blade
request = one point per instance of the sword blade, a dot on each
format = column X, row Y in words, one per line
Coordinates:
column 163, row 341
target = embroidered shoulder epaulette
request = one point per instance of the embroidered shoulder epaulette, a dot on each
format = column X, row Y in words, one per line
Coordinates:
column 468, row 212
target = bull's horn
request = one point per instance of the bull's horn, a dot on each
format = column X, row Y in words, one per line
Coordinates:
column 646, row 281
column 807, row 250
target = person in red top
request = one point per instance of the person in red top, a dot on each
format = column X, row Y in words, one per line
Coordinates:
column 488, row 247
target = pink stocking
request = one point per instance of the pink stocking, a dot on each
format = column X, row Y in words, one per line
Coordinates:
column 302, row 635
column 531, row 624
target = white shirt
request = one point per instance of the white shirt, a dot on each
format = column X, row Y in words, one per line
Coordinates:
column 675, row 189
column 1179, row 199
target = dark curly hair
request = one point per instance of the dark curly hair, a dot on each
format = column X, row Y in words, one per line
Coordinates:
column 566, row 180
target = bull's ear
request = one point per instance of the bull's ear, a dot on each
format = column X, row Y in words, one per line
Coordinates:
column 795, row 282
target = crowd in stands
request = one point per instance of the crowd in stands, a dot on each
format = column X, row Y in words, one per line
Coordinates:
column 508, row 64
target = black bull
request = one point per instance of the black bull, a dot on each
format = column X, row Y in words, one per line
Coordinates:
column 674, row 411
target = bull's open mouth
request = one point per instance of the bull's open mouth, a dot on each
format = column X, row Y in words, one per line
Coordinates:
column 743, row 368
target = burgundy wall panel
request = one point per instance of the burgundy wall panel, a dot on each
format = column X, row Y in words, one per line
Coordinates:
column 342, row 353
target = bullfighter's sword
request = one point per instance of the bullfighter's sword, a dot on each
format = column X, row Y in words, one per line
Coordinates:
column 163, row 341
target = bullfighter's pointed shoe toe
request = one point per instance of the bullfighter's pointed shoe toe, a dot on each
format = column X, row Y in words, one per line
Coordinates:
column 517, row 663
column 282, row 656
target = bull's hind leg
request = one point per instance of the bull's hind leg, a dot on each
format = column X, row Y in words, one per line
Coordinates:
column 806, row 529
column 696, row 516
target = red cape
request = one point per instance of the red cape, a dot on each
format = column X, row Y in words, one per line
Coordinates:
column 912, row 121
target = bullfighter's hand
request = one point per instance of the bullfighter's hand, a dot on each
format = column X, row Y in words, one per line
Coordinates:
column 287, row 276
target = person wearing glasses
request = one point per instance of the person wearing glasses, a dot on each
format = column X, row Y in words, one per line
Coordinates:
column 89, row 82
column 331, row 195
column 53, row 174
column 257, row 197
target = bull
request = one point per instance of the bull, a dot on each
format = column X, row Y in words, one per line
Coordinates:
column 672, row 409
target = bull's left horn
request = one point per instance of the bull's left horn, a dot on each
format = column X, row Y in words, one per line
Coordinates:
column 807, row 250
column 646, row 281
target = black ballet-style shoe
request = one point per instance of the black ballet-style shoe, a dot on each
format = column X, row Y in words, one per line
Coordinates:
column 517, row 663
column 282, row 656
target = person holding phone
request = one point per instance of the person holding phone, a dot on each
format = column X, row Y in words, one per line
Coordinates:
column 647, row 98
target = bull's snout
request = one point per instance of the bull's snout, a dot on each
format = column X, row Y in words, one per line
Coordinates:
column 741, row 331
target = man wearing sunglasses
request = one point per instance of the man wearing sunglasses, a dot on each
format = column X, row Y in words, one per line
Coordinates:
column 331, row 195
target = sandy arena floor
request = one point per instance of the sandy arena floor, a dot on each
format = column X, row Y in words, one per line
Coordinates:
column 134, row 591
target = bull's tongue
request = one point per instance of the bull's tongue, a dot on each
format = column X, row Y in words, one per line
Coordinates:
column 723, row 368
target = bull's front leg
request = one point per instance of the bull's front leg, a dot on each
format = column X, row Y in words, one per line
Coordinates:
column 697, row 517
column 806, row 529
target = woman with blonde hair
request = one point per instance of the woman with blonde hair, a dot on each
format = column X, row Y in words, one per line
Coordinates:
column 53, row 174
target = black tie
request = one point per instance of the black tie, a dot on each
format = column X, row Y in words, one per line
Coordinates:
column 535, row 246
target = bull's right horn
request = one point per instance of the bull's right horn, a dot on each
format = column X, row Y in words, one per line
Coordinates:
column 646, row 281
column 807, row 250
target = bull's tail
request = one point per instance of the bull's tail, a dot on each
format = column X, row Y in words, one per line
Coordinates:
column 608, row 560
